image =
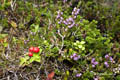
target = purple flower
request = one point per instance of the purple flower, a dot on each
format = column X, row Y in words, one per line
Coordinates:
column 59, row 16
column 59, row 22
column 75, row 57
column 95, row 63
column 75, row 17
column 95, row 78
column 25, row 41
column 93, row 60
column 75, row 12
column 78, row 75
column 72, row 13
column 65, row 22
column 74, row 54
column 69, row 22
column 70, row 19
column 106, row 64
column 111, row 59
column 74, row 9
column 59, row 12
column 106, row 56
column 28, row 40
column 70, row 26
column 71, row 56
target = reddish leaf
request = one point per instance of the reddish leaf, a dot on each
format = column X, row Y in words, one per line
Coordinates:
column 50, row 76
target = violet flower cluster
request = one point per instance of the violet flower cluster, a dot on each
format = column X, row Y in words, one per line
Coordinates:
column 106, row 64
column 75, row 57
column 78, row 75
column 108, row 58
column 59, row 17
column 70, row 22
column 94, row 63
column 75, row 12
column 26, row 41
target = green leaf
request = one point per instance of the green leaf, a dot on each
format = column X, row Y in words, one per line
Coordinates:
column 23, row 60
column 36, row 28
column 82, row 42
column 118, row 77
column 38, row 60
column 86, row 79
column 102, row 78
column 118, row 55
column 32, row 59
column 40, row 51
column 80, row 46
column 66, row 75
column 36, row 57
column 83, row 48
column 5, row 44
column 3, row 35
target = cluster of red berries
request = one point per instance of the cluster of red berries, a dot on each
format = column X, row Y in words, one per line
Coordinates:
column 33, row 50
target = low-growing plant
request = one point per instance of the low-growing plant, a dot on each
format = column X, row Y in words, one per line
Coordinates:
column 34, row 55
column 71, row 38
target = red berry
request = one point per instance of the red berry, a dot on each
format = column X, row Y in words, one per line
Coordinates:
column 30, row 54
column 31, row 49
column 36, row 50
